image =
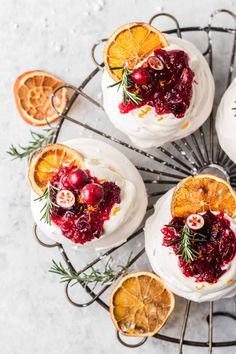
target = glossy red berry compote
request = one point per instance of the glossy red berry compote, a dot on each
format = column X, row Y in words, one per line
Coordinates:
column 212, row 255
column 164, row 81
column 94, row 201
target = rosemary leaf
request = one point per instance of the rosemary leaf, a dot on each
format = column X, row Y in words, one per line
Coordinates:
column 125, row 83
column 48, row 203
column 187, row 238
column 95, row 276
column 117, row 68
column 115, row 84
column 37, row 142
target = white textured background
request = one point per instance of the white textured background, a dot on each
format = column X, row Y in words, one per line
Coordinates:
column 57, row 35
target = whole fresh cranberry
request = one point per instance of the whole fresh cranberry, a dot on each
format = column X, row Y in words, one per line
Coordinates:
column 77, row 178
column 140, row 76
column 92, row 193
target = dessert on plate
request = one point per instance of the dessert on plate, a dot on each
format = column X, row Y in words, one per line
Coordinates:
column 156, row 88
column 85, row 192
column 226, row 121
column 190, row 239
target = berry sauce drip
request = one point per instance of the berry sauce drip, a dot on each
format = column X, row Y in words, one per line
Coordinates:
column 164, row 81
column 213, row 254
column 84, row 220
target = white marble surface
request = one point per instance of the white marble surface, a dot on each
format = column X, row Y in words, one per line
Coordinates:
column 57, row 36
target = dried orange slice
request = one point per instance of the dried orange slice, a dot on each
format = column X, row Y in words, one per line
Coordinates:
column 47, row 161
column 130, row 44
column 140, row 304
column 32, row 92
column 201, row 193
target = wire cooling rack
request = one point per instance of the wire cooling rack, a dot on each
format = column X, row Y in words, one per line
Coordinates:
column 199, row 152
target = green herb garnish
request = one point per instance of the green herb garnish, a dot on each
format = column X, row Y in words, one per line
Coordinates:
column 186, row 241
column 185, row 248
column 37, row 142
column 96, row 276
column 125, row 83
column 47, row 196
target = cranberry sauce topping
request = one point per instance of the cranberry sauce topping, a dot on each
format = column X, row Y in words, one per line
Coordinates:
column 84, row 220
column 212, row 253
column 164, row 81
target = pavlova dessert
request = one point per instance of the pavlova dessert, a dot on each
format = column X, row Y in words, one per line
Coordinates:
column 226, row 121
column 85, row 192
column 190, row 239
column 156, row 88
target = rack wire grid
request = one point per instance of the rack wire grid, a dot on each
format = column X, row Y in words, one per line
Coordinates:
column 198, row 152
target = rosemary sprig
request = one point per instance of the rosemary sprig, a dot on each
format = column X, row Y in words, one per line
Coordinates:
column 95, row 276
column 38, row 140
column 125, row 83
column 48, row 203
column 187, row 238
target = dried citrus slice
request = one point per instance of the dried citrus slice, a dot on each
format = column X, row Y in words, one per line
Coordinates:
column 47, row 162
column 32, row 91
column 131, row 44
column 203, row 192
column 140, row 304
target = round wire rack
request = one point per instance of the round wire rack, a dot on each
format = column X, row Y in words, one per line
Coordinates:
column 161, row 168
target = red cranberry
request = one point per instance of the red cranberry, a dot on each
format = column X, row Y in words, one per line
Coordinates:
column 65, row 199
column 92, row 193
column 77, row 178
column 155, row 63
column 65, row 182
column 195, row 221
column 140, row 76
